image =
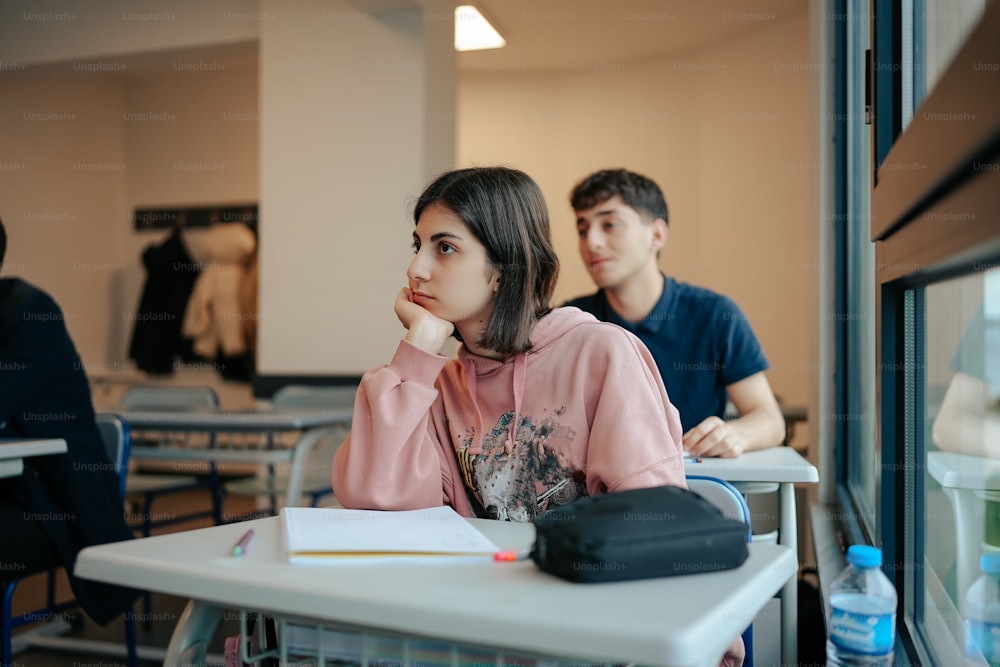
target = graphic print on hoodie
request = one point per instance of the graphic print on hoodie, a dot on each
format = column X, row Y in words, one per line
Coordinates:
column 517, row 482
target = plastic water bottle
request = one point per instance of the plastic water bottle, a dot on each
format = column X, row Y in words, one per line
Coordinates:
column 981, row 611
column 863, row 613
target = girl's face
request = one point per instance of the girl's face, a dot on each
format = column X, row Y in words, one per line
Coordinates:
column 450, row 274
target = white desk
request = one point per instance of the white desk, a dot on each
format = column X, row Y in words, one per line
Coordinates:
column 13, row 451
column 785, row 467
column 967, row 481
column 682, row 621
column 313, row 423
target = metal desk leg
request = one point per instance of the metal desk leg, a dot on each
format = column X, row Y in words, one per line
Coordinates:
column 788, row 536
column 189, row 642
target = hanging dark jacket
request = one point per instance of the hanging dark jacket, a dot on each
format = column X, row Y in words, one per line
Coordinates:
column 170, row 277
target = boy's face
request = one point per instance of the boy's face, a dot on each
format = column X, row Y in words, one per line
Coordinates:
column 616, row 244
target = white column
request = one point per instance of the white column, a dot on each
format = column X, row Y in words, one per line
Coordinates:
column 357, row 113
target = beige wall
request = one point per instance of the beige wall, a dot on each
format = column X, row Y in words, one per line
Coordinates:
column 80, row 153
column 62, row 200
column 61, row 30
column 725, row 132
column 72, row 164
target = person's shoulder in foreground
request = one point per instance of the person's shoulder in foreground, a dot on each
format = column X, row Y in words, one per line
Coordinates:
column 46, row 395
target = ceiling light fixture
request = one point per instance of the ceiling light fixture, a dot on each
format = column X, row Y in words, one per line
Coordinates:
column 474, row 32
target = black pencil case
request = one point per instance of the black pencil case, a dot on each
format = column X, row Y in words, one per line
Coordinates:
column 660, row 531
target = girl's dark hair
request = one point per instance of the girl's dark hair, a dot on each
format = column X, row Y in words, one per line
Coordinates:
column 506, row 211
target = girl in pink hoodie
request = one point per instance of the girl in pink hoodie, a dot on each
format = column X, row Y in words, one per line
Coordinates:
column 542, row 405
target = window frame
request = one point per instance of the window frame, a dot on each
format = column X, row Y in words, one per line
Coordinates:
column 925, row 179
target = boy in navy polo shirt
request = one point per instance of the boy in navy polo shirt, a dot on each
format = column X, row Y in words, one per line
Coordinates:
column 703, row 345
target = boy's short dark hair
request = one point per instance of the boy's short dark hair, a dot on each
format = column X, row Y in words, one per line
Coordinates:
column 505, row 210
column 637, row 191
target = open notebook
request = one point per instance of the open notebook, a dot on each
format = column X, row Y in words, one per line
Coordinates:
column 322, row 535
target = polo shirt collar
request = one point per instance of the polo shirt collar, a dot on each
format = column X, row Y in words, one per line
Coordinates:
column 656, row 318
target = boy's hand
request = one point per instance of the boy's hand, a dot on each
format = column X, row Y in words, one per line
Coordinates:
column 714, row 437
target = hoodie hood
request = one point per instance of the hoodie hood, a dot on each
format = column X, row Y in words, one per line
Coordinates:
column 548, row 330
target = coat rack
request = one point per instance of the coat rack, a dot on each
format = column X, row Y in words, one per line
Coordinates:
column 205, row 216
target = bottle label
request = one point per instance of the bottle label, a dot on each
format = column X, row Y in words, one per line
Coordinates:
column 868, row 634
column 983, row 639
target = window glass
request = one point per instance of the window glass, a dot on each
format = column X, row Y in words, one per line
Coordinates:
column 946, row 24
column 962, row 436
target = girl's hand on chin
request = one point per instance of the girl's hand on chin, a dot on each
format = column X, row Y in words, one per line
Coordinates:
column 425, row 330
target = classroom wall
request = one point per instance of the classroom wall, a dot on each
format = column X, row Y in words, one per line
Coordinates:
column 70, row 75
column 358, row 114
column 725, row 132
column 80, row 153
column 62, row 200
column 60, row 30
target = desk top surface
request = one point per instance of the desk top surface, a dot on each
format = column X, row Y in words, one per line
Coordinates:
column 16, row 448
column 255, row 419
column 674, row 621
column 775, row 464
column 963, row 471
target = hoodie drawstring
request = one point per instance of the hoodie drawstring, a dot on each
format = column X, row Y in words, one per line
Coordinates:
column 476, row 446
column 520, row 375
column 519, row 380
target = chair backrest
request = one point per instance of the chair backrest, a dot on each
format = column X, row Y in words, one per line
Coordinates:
column 723, row 495
column 727, row 498
column 321, row 455
column 155, row 396
column 313, row 396
column 159, row 397
column 115, row 434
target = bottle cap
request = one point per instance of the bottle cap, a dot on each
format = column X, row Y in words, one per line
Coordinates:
column 863, row 555
column 989, row 564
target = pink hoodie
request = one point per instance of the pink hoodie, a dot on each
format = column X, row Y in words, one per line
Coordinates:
column 591, row 411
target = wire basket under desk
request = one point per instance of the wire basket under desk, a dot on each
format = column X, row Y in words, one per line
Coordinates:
column 346, row 646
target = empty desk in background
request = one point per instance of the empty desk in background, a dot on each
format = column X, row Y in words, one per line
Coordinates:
column 682, row 621
column 968, row 482
column 786, row 468
column 793, row 414
column 13, row 451
column 312, row 423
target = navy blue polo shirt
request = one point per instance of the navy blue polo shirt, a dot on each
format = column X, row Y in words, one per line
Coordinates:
column 701, row 341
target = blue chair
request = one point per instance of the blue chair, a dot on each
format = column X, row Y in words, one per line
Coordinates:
column 115, row 435
column 727, row 498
